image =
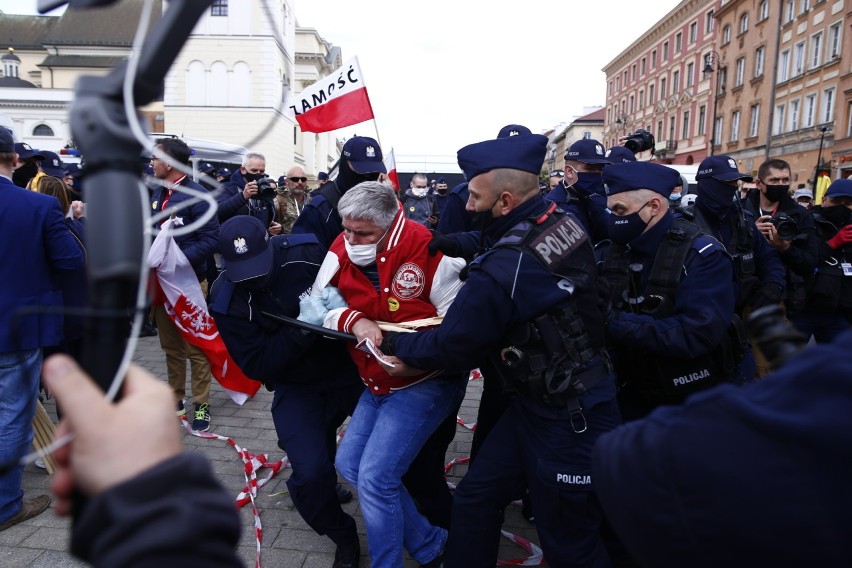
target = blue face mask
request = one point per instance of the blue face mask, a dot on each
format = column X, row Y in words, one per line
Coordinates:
column 625, row 228
column 675, row 197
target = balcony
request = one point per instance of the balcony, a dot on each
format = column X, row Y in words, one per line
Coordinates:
column 665, row 149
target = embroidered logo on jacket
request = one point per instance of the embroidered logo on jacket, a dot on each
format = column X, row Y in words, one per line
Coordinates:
column 408, row 282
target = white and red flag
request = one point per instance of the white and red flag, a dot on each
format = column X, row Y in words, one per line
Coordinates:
column 390, row 166
column 187, row 308
column 335, row 101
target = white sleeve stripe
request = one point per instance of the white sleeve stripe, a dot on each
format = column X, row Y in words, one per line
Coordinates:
column 396, row 230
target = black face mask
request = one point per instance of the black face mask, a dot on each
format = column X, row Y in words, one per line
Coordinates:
column 252, row 177
column 776, row 193
column 484, row 219
column 837, row 215
column 348, row 178
column 715, row 197
column 24, row 174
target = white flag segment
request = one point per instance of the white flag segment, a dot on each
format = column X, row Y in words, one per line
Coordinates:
column 336, row 101
column 390, row 166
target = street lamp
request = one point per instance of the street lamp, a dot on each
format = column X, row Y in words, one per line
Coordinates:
column 711, row 64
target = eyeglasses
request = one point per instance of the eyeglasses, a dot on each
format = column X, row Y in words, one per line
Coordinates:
column 298, row 179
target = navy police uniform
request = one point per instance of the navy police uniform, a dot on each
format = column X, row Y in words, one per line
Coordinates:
column 316, row 385
column 739, row 477
column 455, row 217
column 658, row 335
column 544, row 438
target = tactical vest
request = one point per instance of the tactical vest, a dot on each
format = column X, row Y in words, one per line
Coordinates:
column 657, row 378
column 553, row 358
column 740, row 247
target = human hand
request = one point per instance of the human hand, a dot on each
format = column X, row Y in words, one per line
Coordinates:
column 843, row 236
column 367, row 329
column 312, row 310
column 78, row 209
column 274, row 229
column 399, row 369
column 768, row 230
column 250, row 190
column 447, row 245
column 332, row 299
column 112, row 442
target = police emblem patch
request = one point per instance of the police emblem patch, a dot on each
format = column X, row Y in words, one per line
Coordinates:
column 599, row 150
column 240, row 245
column 408, row 282
column 371, row 152
column 732, row 163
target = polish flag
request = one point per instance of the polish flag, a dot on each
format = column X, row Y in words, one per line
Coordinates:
column 390, row 166
column 336, row 101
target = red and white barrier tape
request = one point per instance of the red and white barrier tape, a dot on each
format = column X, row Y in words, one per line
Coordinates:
column 535, row 558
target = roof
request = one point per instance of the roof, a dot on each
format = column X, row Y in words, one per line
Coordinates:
column 104, row 61
column 16, row 83
column 112, row 25
column 25, row 32
column 596, row 116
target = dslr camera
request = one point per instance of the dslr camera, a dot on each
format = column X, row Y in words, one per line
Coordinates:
column 786, row 227
column 265, row 188
column 639, row 141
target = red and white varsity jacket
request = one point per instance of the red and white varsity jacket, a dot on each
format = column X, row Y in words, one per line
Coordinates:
column 412, row 285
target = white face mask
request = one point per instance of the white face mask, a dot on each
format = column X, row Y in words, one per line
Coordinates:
column 361, row 255
column 419, row 191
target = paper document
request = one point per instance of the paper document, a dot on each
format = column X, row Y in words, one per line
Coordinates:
column 368, row 346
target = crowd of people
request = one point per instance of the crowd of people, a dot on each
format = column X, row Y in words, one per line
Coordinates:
column 623, row 399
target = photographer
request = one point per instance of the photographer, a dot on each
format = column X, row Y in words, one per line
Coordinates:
column 829, row 294
column 250, row 192
column 787, row 227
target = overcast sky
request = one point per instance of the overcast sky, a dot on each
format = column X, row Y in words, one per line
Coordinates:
column 445, row 73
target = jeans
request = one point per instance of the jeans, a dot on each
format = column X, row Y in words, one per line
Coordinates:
column 19, row 375
column 384, row 435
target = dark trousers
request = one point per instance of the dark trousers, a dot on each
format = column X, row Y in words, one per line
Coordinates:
column 536, row 446
column 306, row 424
column 823, row 326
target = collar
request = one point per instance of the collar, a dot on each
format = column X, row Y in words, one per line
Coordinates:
column 177, row 182
column 532, row 208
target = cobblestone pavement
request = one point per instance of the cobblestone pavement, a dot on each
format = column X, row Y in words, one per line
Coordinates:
column 288, row 542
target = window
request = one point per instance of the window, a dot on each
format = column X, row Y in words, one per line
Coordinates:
column 794, row 115
column 778, row 127
column 759, row 56
column 663, row 91
column 717, row 131
column 798, row 59
column 693, row 32
column 641, row 99
column 726, row 35
column 803, row 6
column 630, row 105
column 617, row 84
column 789, row 9
column 672, row 126
column 651, row 98
column 763, row 11
column 735, row 126
column 702, row 117
column 744, row 23
column 849, row 114
column 709, row 21
column 659, row 130
column 653, row 59
column 685, row 126
column 609, row 88
column 642, row 66
column 723, row 79
column 625, row 78
column 740, row 72
column 219, row 8
column 690, row 72
column 816, row 50
column 828, row 105
column 754, row 120
column 675, row 82
column 784, row 66
column 633, row 72
column 665, row 51
column 679, row 42
column 42, row 130
column 810, row 111
column 834, row 40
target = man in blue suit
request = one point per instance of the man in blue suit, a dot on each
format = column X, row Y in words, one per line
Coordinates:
column 36, row 247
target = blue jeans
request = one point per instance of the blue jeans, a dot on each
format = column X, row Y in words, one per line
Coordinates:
column 384, row 435
column 19, row 374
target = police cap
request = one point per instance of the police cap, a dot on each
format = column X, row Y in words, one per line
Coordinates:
column 525, row 153
column 631, row 176
column 243, row 245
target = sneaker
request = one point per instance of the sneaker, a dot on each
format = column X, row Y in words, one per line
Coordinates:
column 201, row 423
column 343, row 494
column 181, row 411
column 347, row 556
column 147, row 330
column 39, row 463
column 29, row 508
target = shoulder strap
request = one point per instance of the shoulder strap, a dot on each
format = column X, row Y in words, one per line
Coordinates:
column 331, row 193
column 665, row 274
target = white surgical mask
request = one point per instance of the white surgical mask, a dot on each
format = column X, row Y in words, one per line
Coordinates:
column 419, row 191
column 361, row 255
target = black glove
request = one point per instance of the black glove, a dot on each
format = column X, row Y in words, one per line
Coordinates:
column 766, row 295
column 447, row 245
column 388, row 341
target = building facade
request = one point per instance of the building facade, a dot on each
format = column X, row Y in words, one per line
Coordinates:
column 841, row 153
column 658, row 84
column 589, row 125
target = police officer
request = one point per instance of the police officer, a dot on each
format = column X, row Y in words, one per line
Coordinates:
column 316, row 385
column 758, row 270
column 581, row 191
column 528, row 315
column 671, row 290
column 361, row 160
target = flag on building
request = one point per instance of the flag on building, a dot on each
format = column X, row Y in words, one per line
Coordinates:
column 390, row 166
column 336, row 101
column 186, row 307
